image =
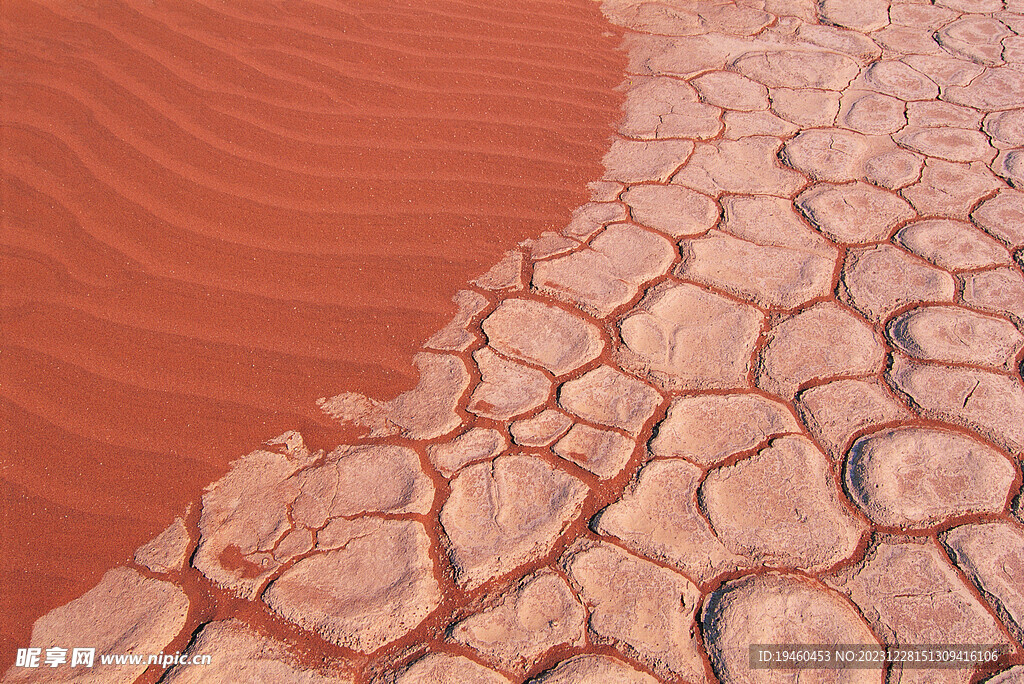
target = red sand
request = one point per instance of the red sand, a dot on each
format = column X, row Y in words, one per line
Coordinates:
column 212, row 217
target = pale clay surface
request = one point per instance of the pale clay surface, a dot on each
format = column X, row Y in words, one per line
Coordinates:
column 765, row 386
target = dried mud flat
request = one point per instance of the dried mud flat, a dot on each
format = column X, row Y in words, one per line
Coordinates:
column 764, row 388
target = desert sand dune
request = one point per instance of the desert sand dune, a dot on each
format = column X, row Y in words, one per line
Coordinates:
column 213, row 216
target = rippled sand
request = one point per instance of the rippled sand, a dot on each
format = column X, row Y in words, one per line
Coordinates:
column 212, row 217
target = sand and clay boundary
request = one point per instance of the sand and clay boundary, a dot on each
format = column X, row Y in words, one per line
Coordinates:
column 764, row 388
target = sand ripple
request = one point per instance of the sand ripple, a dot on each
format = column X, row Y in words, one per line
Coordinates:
column 213, row 214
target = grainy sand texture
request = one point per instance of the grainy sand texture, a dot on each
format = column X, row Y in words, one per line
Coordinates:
column 215, row 213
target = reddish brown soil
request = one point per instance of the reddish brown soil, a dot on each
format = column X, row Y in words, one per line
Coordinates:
column 212, row 217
